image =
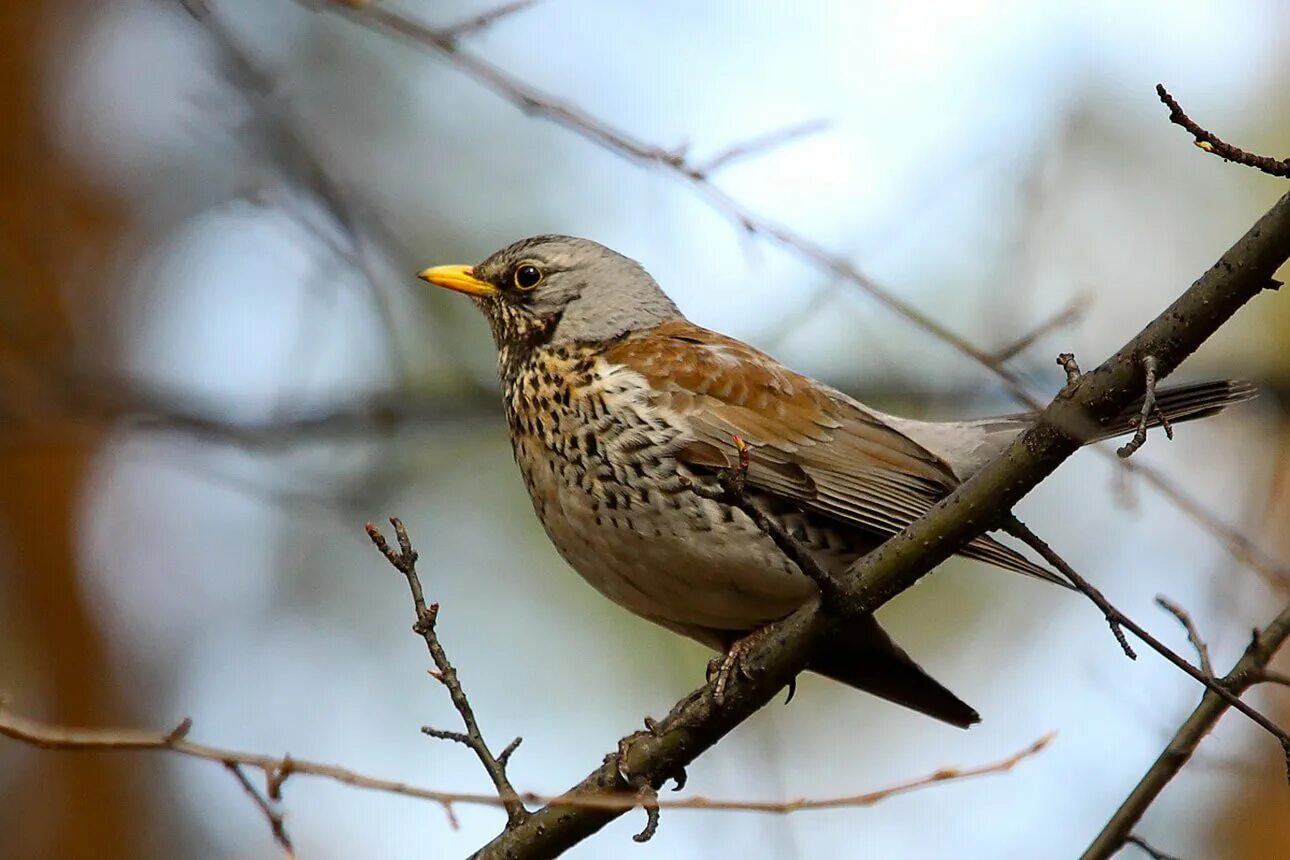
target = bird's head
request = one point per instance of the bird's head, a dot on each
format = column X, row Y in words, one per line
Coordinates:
column 550, row 289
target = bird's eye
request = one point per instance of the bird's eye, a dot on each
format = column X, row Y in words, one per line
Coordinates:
column 527, row 276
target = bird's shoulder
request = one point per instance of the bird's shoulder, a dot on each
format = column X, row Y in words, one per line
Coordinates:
column 724, row 387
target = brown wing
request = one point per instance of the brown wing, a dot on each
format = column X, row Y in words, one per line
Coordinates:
column 809, row 443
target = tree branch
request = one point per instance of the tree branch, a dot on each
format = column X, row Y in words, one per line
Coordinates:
column 1183, row 744
column 1118, row 620
column 268, row 808
column 1211, row 142
column 404, row 561
column 65, row 738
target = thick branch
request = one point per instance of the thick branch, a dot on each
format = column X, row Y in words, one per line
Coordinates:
column 1100, row 395
column 1246, row 673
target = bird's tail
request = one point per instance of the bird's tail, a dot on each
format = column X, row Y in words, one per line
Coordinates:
column 863, row 656
column 1176, row 403
column 1185, row 402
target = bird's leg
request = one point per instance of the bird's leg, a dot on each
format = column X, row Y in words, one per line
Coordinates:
column 721, row 669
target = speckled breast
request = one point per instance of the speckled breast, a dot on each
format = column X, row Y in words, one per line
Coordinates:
column 598, row 458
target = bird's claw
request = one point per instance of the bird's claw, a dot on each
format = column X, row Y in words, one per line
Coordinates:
column 722, row 669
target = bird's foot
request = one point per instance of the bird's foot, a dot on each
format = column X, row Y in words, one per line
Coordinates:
column 721, row 669
column 653, row 729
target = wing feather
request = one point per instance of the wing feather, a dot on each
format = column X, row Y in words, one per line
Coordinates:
column 810, row 444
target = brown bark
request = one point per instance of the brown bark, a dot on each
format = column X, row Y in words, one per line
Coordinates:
column 51, row 218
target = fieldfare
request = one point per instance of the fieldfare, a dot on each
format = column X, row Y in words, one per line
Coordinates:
column 619, row 408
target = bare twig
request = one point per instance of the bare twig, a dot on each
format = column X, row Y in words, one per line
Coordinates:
column 487, row 19
column 268, row 806
column 1118, row 620
column 292, row 152
column 1118, row 829
column 54, row 737
column 1193, row 635
column 1210, row 142
column 1114, row 619
column 1067, row 316
column 540, row 103
column 404, row 560
column 1153, row 853
column 761, row 145
column 1149, row 411
column 1237, row 544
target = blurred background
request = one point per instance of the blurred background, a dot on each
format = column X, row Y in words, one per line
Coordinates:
column 215, row 366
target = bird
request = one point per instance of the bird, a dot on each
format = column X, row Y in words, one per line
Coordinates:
column 623, row 416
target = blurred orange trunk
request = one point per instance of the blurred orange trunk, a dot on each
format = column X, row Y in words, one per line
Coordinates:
column 64, row 805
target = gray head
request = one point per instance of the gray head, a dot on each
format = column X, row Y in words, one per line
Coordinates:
column 559, row 288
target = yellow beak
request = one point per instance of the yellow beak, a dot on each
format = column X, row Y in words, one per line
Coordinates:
column 459, row 278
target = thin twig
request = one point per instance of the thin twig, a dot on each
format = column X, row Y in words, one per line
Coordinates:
column 762, row 144
column 1153, row 853
column 1067, row 316
column 268, row 807
column 292, row 150
column 1210, row 142
column 1118, row 829
column 1236, row 543
column 487, row 19
column 54, row 737
column 1193, row 634
column 404, row 560
column 1118, row 620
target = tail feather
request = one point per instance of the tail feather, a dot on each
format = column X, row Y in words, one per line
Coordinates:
column 1177, row 403
column 865, row 657
column 1185, row 402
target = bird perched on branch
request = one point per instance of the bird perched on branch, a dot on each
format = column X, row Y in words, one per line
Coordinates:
column 623, row 415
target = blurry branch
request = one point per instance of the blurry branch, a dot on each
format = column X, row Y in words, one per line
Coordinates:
column 80, row 399
column 1193, row 635
column 268, row 805
column 761, row 145
column 1066, row 317
column 541, row 103
column 288, row 146
column 1211, row 142
column 538, row 102
column 54, row 737
column 1237, row 544
column 404, row 561
column 1248, row 671
column 696, row 723
column 486, row 19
